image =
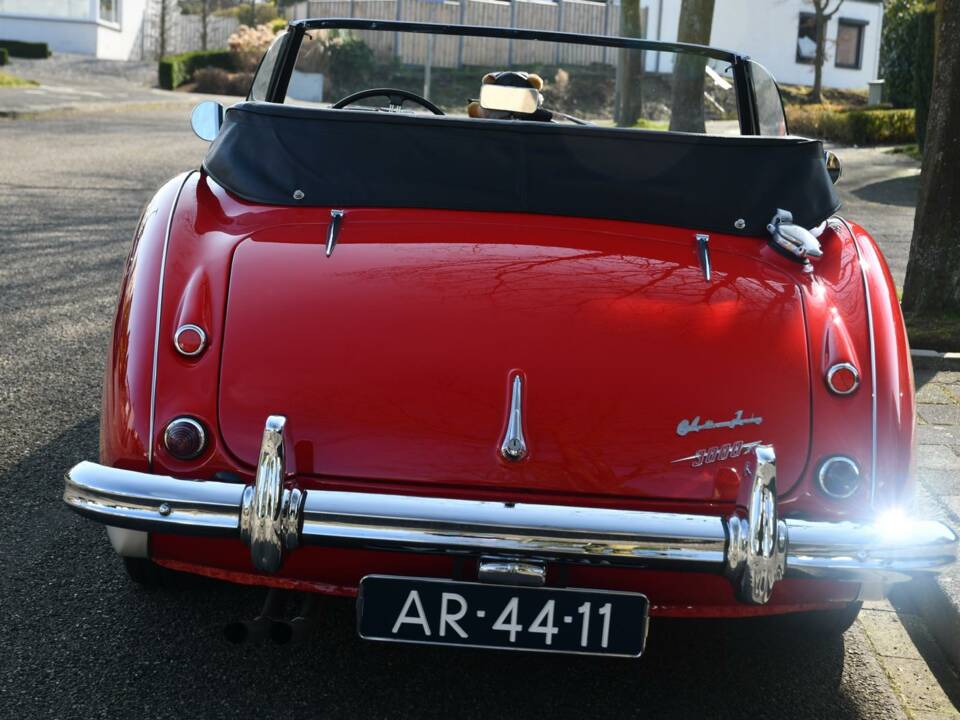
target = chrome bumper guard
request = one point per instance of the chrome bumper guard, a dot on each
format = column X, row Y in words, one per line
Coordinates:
column 753, row 547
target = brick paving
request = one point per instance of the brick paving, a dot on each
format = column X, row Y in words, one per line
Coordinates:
column 938, row 438
column 938, row 472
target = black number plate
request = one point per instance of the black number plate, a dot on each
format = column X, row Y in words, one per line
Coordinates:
column 423, row 610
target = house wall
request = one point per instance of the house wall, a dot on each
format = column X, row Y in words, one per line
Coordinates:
column 121, row 43
column 82, row 33
column 62, row 35
column 771, row 38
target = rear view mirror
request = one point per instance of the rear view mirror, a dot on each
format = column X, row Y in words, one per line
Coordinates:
column 834, row 166
column 507, row 98
column 206, row 120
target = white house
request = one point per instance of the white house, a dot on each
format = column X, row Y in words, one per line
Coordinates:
column 780, row 34
column 104, row 28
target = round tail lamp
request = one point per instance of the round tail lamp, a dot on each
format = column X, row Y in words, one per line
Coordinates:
column 839, row 477
column 190, row 340
column 184, row 438
column 843, row 379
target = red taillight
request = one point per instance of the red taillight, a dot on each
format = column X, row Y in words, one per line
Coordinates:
column 843, row 379
column 190, row 340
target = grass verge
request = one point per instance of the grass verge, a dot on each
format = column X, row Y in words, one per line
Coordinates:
column 912, row 151
column 8, row 80
column 941, row 333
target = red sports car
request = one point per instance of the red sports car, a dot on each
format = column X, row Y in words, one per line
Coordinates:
column 524, row 338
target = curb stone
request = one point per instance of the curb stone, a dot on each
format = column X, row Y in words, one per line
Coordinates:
column 937, row 598
column 933, row 360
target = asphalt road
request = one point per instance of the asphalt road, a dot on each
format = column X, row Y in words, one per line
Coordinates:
column 78, row 640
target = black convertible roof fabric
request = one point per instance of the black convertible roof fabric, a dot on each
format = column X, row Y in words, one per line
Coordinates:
column 266, row 152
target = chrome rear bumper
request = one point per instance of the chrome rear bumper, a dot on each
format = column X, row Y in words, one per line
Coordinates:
column 752, row 547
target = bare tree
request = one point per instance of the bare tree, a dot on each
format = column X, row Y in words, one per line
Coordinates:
column 686, row 108
column 823, row 11
column 932, row 286
column 629, row 66
column 204, row 18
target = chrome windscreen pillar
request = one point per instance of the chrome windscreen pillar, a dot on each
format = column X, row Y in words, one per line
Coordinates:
column 270, row 512
column 757, row 542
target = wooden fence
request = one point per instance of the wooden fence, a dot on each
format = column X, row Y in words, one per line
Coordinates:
column 575, row 16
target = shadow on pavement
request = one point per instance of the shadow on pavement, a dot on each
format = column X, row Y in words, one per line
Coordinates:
column 89, row 643
column 900, row 191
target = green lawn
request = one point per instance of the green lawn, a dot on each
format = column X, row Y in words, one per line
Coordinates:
column 8, row 80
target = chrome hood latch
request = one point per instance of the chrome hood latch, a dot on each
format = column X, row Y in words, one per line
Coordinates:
column 794, row 239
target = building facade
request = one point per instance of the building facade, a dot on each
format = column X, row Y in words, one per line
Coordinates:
column 103, row 28
column 780, row 34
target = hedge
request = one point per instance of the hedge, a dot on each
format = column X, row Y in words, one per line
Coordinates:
column 175, row 70
column 17, row 48
column 4, row 56
column 898, row 51
column 853, row 127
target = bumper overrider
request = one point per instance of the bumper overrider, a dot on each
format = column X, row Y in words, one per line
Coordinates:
column 752, row 547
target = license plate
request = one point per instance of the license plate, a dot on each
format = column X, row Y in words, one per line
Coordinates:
column 442, row 612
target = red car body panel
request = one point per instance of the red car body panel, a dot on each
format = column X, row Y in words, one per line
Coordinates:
column 392, row 359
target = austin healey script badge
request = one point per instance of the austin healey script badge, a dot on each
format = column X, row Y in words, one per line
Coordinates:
column 685, row 427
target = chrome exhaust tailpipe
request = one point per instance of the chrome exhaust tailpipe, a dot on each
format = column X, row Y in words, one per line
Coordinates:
column 259, row 628
column 299, row 628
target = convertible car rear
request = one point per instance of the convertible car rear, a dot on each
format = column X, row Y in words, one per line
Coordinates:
column 514, row 377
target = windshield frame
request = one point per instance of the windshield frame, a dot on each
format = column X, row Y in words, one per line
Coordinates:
column 283, row 68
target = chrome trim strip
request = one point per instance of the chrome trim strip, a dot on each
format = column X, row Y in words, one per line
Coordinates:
column 703, row 252
column 884, row 552
column 156, row 329
column 873, row 361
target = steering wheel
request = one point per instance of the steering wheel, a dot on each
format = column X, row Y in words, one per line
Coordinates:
column 396, row 97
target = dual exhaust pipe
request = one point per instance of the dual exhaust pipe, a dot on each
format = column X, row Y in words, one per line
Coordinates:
column 268, row 625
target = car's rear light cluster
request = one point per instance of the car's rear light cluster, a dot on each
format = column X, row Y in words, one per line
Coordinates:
column 839, row 477
column 184, row 438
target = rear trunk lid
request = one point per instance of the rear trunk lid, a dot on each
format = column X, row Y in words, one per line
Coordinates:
column 392, row 359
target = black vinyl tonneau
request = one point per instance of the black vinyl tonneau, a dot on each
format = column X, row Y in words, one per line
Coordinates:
column 265, row 152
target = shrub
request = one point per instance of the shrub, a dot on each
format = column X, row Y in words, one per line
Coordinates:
column 175, row 70
column 278, row 25
column 4, row 56
column 248, row 44
column 852, row 127
column 16, row 48
column 221, row 82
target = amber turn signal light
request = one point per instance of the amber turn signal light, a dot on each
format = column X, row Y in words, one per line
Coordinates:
column 184, row 438
column 839, row 477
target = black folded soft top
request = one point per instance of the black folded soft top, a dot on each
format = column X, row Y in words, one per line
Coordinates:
column 276, row 154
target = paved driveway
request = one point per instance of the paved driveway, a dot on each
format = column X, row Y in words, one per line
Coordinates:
column 78, row 640
column 879, row 190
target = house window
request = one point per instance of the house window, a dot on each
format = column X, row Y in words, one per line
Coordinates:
column 807, row 39
column 110, row 11
column 850, row 44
